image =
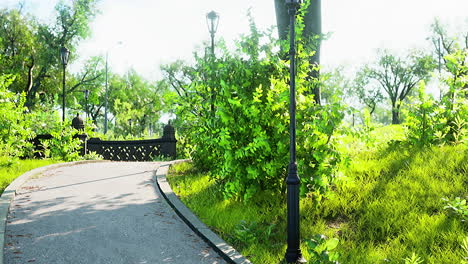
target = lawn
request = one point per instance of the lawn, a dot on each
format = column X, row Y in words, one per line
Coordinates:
column 10, row 170
column 386, row 206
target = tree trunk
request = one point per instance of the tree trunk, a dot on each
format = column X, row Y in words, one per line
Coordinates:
column 312, row 35
column 395, row 116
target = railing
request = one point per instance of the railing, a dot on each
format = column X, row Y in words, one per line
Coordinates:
column 127, row 150
column 133, row 150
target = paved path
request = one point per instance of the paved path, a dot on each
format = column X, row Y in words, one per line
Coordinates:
column 109, row 212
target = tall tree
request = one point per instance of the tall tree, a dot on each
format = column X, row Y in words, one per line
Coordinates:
column 311, row 35
column 398, row 76
column 367, row 91
column 33, row 49
column 446, row 48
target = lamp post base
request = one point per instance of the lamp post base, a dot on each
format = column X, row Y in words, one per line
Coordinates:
column 295, row 257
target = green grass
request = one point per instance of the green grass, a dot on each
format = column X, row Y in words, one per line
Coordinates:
column 10, row 170
column 386, row 206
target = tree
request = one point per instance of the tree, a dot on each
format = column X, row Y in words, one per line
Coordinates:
column 367, row 91
column 134, row 103
column 446, row 48
column 32, row 48
column 311, row 35
column 398, row 76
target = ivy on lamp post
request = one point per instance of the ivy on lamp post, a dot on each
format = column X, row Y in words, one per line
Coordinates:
column 212, row 21
column 293, row 251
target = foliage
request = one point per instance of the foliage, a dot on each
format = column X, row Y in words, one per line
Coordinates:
column 252, row 232
column 430, row 122
column 414, row 259
column 458, row 207
column 31, row 52
column 322, row 249
column 425, row 120
column 14, row 131
column 235, row 113
column 63, row 145
column 92, row 155
column 397, row 77
column 135, row 104
column 367, row 90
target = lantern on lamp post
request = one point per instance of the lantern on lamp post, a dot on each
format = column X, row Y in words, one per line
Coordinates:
column 293, row 252
column 212, row 20
column 64, row 56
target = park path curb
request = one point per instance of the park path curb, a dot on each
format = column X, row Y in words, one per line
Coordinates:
column 227, row 252
column 10, row 192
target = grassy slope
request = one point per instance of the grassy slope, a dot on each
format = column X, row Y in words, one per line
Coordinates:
column 385, row 207
column 10, row 171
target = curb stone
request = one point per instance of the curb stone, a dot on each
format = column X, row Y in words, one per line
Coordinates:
column 10, row 192
column 227, row 252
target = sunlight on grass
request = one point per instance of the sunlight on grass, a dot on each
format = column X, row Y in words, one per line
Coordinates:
column 10, row 170
column 386, row 205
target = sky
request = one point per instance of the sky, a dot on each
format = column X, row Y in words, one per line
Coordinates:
column 154, row 32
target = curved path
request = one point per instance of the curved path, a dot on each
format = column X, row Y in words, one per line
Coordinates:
column 106, row 212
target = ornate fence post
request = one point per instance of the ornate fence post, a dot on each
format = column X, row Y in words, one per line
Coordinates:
column 78, row 124
column 168, row 146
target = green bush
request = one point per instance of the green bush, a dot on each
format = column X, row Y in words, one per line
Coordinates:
column 63, row 145
column 15, row 132
column 430, row 122
column 235, row 110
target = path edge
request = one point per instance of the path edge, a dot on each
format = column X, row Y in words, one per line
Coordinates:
column 227, row 252
column 10, row 192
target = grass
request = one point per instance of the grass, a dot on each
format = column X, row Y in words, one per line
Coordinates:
column 386, row 206
column 11, row 169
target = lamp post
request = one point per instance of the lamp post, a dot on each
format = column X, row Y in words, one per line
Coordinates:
column 212, row 20
column 64, row 55
column 293, row 252
column 107, row 88
column 86, row 94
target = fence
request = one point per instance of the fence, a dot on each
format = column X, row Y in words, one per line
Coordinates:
column 128, row 150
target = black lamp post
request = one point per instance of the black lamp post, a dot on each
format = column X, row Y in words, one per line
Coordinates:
column 86, row 94
column 293, row 252
column 64, row 55
column 212, row 20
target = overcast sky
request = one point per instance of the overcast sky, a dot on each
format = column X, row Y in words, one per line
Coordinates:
column 155, row 31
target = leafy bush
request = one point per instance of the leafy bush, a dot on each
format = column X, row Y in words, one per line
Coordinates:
column 457, row 206
column 63, row 145
column 14, row 125
column 92, row 155
column 323, row 249
column 430, row 122
column 235, row 110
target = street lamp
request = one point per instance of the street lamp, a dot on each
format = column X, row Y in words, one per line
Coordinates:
column 293, row 252
column 212, row 20
column 107, row 88
column 64, row 55
column 86, row 94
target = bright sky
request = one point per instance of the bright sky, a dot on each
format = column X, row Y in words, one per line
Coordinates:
column 155, row 31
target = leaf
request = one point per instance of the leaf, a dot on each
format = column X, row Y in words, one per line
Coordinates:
column 331, row 243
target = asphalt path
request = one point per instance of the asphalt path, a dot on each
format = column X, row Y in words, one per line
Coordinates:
column 107, row 212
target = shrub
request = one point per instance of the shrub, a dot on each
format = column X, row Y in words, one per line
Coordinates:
column 14, row 130
column 235, row 110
